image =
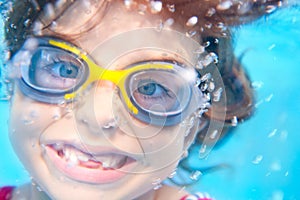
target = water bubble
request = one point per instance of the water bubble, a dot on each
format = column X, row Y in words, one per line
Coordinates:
column 217, row 94
column 206, row 44
column 198, row 81
column 208, row 59
column 275, row 166
column 257, row 84
column 271, row 47
column 208, row 25
column 62, row 103
column 234, row 121
column 202, row 150
column 27, row 22
column 27, row 122
column 269, row 98
column 53, row 26
column 204, row 87
column 128, row 3
column 257, row 159
column 191, row 33
column 49, row 11
column 270, row 8
column 173, row 173
column 272, row 133
column 277, row 195
column 206, row 77
column 286, row 173
column 160, row 26
column 195, row 175
column 224, row 5
column 169, row 22
column 157, row 184
column 171, row 7
column 210, row 12
column 200, row 50
column 142, row 9
column 211, row 86
column 12, row 25
column 156, row 6
column 214, row 135
column 56, row 117
column 192, row 21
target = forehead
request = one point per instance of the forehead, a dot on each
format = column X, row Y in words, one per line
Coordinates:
column 109, row 29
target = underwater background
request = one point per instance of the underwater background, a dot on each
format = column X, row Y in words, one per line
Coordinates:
column 263, row 155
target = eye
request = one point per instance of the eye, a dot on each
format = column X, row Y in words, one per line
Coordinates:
column 66, row 70
column 54, row 69
column 150, row 88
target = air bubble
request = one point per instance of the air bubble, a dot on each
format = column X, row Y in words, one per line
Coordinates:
column 49, row 11
column 217, row 94
column 272, row 133
column 157, row 184
column 214, row 135
column 208, row 59
column 208, row 25
column 156, row 6
column 27, row 122
column 211, row 86
column 210, row 12
column 191, row 33
column 257, row 84
column 56, row 117
column 128, row 3
column 204, row 87
column 257, row 159
column 173, row 174
column 205, row 77
column 160, row 26
column 269, row 98
column 171, row 7
column 202, row 150
column 27, row 22
column 169, row 22
column 192, row 21
column 199, row 50
column 195, row 175
column 142, row 9
column 234, row 121
column 270, row 8
column 225, row 5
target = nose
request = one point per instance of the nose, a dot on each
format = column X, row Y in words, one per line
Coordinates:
column 96, row 106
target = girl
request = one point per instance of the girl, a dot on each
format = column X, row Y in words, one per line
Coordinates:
column 109, row 95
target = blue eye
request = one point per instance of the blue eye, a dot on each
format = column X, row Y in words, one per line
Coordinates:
column 147, row 89
column 65, row 70
column 151, row 88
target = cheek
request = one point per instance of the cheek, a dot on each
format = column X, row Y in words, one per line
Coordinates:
column 29, row 118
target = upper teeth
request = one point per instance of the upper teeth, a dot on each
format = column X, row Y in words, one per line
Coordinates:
column 74, row 157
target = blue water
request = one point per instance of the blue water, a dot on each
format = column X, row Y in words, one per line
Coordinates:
column 263, row 154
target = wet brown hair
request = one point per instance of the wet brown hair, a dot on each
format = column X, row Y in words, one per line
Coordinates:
column 215, row 17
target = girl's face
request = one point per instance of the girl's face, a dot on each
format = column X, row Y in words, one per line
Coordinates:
column 77, row 150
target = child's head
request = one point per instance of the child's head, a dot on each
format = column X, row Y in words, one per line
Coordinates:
column 109, row 95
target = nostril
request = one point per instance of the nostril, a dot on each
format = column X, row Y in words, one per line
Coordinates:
column 110, row 124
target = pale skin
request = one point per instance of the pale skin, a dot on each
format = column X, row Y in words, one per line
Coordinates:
column 34, row 125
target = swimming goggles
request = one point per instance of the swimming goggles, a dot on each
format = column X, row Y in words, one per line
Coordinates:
column 57, row 71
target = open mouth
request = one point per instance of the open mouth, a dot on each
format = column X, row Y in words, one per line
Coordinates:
column 88, row 167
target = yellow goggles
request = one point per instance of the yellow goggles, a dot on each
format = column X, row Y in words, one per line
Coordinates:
column 58, row 71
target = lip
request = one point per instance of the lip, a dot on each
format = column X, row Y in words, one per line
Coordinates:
column 92, row 172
